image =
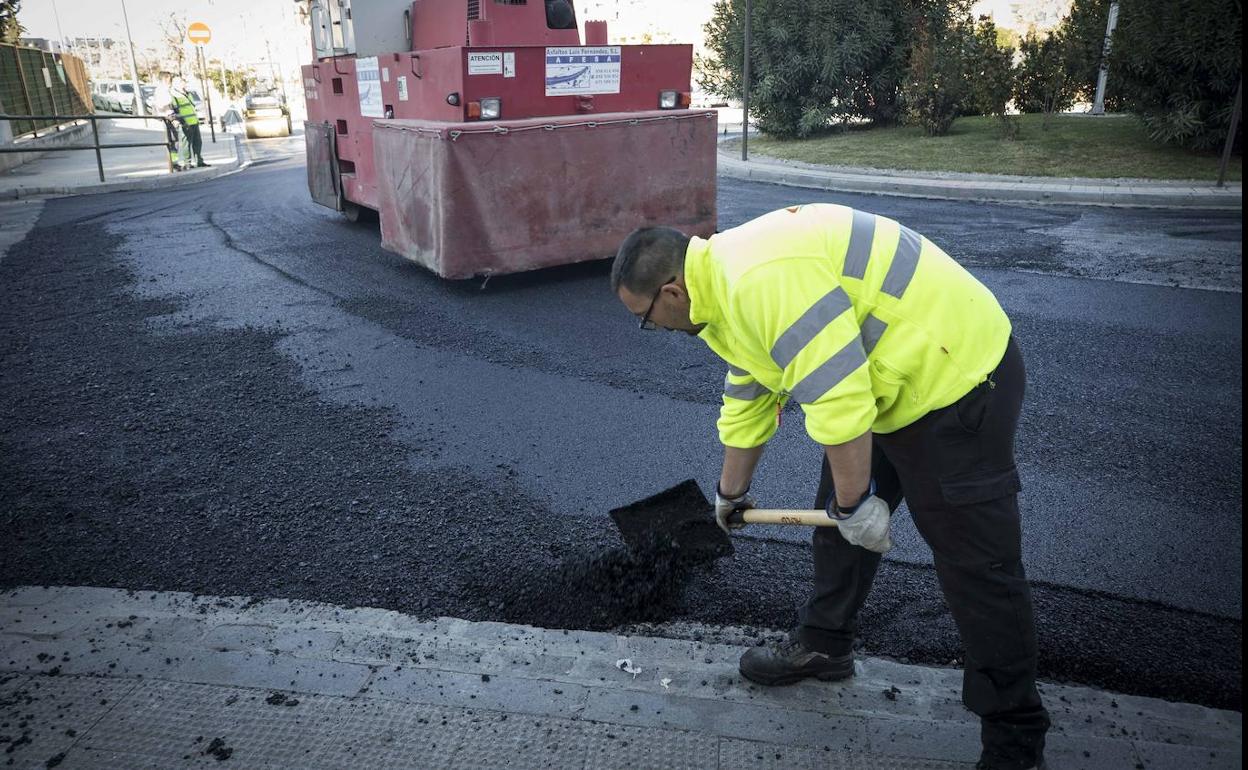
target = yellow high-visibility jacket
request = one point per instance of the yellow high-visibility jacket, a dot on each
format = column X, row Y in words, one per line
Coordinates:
column 865, row 323
column 185, row 108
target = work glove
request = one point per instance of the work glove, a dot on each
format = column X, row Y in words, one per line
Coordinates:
column 866, row 524
column 724, row 506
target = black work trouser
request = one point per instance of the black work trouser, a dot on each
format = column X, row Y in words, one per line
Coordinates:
column 196, row 141
column 955, row 469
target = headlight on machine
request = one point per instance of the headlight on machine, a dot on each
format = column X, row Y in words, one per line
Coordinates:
column 491, row 108
column 671, row 100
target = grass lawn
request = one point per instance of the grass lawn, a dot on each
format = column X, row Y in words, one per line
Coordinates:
column 1072, row 146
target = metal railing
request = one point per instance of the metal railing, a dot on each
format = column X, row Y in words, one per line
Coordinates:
column 95, row 134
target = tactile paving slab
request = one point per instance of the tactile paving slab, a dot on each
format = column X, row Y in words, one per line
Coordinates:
column 43, row 717
column 753, row 755
column 166, row 724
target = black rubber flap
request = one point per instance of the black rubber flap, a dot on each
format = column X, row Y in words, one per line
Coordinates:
column 679, row 519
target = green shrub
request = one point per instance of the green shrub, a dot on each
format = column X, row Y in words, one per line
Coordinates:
column 1043, row 83
column 815, row 63
column 991, row 76
column 1177, row 65
column 937, row 87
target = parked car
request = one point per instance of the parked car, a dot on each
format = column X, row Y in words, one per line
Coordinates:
column 118, row 96
column 107, row 95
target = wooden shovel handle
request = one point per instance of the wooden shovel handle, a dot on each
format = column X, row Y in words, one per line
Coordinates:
column 802, row 518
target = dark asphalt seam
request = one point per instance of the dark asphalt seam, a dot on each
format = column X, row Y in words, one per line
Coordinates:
column 231, row 244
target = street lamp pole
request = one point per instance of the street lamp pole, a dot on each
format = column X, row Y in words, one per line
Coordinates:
column 1098, row 105
column 139, row 106
column 745, row 89
column 60, row 33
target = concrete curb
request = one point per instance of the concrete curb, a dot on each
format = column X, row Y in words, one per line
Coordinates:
column 161, row 182
column 171, row 666
column 986, row 187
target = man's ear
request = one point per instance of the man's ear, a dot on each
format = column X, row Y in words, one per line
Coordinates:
column 676, row 291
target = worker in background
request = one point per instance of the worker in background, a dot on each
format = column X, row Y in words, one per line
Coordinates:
column 909, row 377
column 163, row 105
column 189, row 118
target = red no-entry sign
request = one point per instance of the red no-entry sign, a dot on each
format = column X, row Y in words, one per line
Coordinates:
column 198, row 33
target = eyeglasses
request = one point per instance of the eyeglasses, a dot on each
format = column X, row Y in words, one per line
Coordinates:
column 646, row 323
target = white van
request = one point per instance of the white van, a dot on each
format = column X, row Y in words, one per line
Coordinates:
column 118, row 96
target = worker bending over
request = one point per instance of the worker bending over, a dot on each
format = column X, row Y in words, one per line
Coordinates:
column 910, row 379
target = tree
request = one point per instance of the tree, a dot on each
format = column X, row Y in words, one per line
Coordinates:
column 814, row 63
column 11, row 30
column 173, row 36
column 937, row 86
column 992, row 76
column 235, row 83
column 1043, row 83
column 1177, row 65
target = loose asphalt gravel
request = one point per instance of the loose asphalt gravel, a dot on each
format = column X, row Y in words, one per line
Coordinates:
column 178, row 411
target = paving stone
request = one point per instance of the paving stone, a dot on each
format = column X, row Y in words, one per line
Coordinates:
column 307, row 644
column 755, row 755
column 69, row 655
column 243, row 669
column 279, row 611
column 31, row 620
column 1141, row 719
column 496, row 634
column 1086, row 752
column 155, row 630
column 949, row 741
column 453, row 688
column 1161, row 755
column 383, row 650
column 86, row 759
column 224, row 638
column 730, row 720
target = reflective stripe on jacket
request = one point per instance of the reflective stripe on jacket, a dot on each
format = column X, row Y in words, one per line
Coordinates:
column 185, row 109
column 865, row 323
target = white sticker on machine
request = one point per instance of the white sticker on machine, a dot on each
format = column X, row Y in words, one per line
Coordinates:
column 509, row 64
column 485, row 63
column 583, row 70
column 402, row 88
column 368, row 81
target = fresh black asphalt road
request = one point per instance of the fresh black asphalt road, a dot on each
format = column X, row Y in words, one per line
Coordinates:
column 228, row 389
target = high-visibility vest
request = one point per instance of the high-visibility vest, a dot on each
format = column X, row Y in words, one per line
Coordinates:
column 185, row 109
column 863, row 322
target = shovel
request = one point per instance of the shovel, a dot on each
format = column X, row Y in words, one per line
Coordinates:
column 682, row 520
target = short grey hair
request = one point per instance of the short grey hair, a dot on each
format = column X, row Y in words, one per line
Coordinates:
column 648, row 258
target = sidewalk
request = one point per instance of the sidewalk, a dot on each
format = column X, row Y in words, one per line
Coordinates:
column 102, row 678
column 138, row 168
column 995, row 188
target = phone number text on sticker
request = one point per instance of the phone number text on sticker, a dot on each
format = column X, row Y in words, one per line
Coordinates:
column 583, row 70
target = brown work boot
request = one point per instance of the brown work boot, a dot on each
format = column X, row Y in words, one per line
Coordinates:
column 789, row 662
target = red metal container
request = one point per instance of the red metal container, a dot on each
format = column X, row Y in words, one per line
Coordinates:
column 498, row 143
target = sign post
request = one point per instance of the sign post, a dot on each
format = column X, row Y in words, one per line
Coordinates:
column 199, row 34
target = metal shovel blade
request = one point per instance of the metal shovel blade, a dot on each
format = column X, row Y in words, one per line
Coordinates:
column 679, row 520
